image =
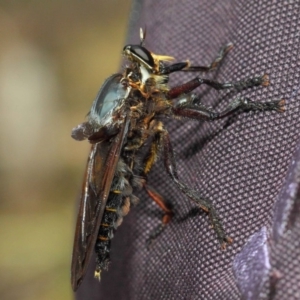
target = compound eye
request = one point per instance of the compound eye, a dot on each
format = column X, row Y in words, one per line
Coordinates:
column 140, row 54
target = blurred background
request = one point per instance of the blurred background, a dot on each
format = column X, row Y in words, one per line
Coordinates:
column 54, row 56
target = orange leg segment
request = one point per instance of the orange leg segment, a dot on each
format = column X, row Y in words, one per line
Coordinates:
column 159, row 200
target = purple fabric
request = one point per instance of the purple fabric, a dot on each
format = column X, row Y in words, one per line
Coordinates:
column 248, row 164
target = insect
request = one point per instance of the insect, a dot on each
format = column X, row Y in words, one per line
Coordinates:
column 127, row 135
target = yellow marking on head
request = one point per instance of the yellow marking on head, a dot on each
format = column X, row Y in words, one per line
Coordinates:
column 162, row 57
column 104, row 225
column 103, row 238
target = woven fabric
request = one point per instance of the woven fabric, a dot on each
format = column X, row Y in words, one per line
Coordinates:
column 246, row 164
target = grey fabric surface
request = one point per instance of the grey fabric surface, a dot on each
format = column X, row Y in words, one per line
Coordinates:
column 246, row 164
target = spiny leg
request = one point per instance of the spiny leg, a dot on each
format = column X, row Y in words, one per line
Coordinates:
column 204, row 204
column 196, row 82
column 243, row 103
column 185, row 67
column 151, row 158
column 223, row 51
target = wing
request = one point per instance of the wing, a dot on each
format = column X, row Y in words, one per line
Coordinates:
column 99, row 174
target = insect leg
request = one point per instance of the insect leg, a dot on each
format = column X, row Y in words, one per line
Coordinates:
column 175, row 68
column 151, row 158
column 223, row 51
column 200, row 112
column 204, row 204
column 196, row 82
column 245, row 103
column 185, row 67
column 160, row 201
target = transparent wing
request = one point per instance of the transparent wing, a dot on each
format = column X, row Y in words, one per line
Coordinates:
column 99, row 174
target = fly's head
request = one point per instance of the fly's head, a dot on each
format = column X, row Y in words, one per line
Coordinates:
column 140, row 56
column 143, row 65
column 143, row 58
column 147, row 69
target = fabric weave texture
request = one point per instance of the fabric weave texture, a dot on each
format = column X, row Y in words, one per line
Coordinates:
column 247, row 164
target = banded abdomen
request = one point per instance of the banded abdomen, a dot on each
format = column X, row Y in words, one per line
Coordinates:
column 117, row 206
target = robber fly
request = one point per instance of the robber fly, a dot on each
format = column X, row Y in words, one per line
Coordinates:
column 127, row 135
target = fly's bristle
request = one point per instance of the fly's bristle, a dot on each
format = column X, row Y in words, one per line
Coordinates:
column 281, row 106
column 265, row 80
column 228, row 47
column 97, row 274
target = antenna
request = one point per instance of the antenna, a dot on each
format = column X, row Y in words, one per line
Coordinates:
column 142, row 36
